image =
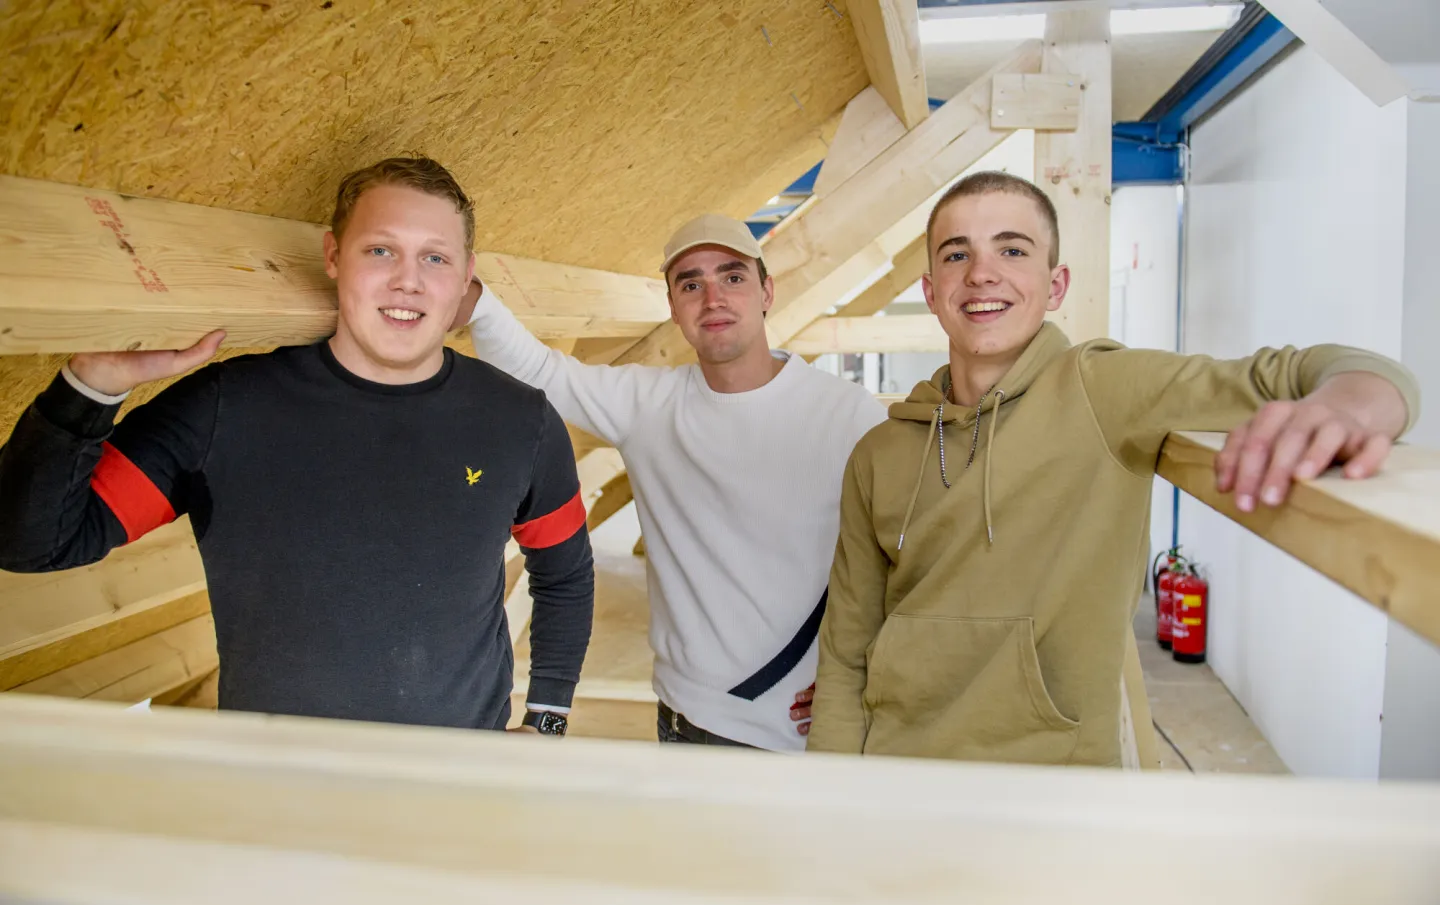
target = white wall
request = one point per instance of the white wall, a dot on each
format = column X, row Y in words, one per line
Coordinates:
column 1144, row 290
column 1297, row 203
column 1410, row 733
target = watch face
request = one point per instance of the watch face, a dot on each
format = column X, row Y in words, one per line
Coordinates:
column 552, row 723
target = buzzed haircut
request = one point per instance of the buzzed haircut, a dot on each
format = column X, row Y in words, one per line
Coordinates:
column 991, row 181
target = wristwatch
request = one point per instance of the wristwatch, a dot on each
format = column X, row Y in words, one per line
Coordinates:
column 545, row 722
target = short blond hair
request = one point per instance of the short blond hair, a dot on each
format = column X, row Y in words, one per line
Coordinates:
column 420, row 173
column 988, row 182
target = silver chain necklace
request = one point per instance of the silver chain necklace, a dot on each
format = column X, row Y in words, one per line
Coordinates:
column 974, row 436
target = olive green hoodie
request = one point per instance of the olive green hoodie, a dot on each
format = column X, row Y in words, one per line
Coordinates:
column 987, row 620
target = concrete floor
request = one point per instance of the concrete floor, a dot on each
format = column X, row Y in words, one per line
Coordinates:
column 1199, row 720
column 1203, row 722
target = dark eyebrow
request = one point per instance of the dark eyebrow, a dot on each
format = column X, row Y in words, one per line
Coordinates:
column 953, row 240
column 1011, row 236
column 727, row 267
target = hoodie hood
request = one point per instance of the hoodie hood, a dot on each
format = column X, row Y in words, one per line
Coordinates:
column 929, row 402
column 1047, row 345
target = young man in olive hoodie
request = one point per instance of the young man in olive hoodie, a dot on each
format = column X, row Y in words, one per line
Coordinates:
column 994, row 531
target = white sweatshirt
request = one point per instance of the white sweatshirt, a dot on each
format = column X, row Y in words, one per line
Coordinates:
column 738, row 496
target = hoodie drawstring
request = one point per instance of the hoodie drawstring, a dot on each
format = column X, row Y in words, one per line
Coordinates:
column 938, row 427
column 990, row 457
column 920, row 472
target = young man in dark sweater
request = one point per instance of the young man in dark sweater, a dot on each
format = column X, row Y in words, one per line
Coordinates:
column 351, row 499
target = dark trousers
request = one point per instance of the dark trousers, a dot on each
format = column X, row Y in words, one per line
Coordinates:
column 672, row 727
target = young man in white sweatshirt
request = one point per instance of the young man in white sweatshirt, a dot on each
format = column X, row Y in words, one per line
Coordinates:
column 736, row 464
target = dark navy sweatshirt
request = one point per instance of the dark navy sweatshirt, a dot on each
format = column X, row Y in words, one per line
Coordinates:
column 352, row 532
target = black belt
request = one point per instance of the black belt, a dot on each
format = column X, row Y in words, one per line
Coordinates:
column 693, row 733
column 778, row 668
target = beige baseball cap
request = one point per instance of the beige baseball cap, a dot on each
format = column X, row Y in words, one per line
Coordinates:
column 711, row 229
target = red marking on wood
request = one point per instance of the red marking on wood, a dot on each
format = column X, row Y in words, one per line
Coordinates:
column 111, row 221
column 1095, row 169
column 518, row 288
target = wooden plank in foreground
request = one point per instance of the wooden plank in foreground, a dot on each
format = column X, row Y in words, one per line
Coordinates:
column 99, row 804
column 1378, row 537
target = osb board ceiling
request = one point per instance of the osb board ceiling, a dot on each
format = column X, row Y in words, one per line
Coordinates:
column 1143, row 67
column 585, row 130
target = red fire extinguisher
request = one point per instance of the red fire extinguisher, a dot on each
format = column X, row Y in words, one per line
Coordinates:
column 1163, row 580
column 1190, row 594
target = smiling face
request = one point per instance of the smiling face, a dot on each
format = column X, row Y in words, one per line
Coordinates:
column 401, row 265
column 991, row 279
column 719, row 302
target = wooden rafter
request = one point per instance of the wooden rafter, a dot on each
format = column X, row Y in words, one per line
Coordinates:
column 84, row 270
column 889, row 36
column 832, row 247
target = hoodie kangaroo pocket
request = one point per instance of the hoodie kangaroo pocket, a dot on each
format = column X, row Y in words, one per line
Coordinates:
column 967, row 689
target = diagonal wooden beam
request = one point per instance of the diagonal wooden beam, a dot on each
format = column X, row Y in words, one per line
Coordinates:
column 849, row 237
column 867, row 127
column 905, row 268
column 889, row 35
column 52, row 620
column 613, row 497
column 140, row 670
column 83, row 269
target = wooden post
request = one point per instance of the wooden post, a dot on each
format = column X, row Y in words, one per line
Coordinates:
column 1074, row 167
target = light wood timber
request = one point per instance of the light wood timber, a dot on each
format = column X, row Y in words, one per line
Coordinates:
column 99, row 804
column 832, row 247
column 138, row 671
column 867, row 128
column 85, row 270
column 1035, row 101
column 1074, row 167
column 889, row 36
column 614, row 496
column 1378, row 537
column 79, row 642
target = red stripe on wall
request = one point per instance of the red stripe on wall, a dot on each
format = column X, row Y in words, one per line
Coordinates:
column 555, row 528
column 133, row 497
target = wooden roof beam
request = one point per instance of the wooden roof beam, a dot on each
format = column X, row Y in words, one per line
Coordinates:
column 848, row 238
column 87, row 270
column 889, row 36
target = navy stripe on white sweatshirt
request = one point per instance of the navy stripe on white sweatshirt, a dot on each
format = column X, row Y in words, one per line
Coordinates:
column 738, row 496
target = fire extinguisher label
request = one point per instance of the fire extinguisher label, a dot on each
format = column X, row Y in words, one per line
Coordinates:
column 1191, row 620
column 1190, row 600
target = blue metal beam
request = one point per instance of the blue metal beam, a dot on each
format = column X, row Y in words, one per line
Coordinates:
column 1149, row 152
column 1261, row 44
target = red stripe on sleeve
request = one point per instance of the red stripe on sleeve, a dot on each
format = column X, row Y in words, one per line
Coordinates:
column 133, row 497
column 555, row 528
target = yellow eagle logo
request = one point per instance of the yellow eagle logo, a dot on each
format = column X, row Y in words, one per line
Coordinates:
column 472, row 477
